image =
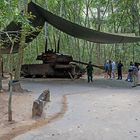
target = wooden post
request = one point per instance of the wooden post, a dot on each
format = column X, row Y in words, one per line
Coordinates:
column 38, row 104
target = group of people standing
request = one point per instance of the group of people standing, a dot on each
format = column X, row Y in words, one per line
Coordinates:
column 134, row 73
column 110, row 69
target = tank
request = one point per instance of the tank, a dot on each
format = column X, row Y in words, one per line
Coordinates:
column 53, row 65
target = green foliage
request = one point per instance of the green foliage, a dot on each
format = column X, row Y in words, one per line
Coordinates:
column 7, row 11
column 120, row 16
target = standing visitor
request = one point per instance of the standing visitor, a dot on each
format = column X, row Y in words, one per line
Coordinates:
column 89, row 72
column 119, row 69
column 139, row 75
column 113, row 69
column 106, row 69
column 109, row 69
column 130, row 73
column 135, row 74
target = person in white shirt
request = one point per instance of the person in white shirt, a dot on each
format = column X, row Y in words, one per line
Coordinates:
column 113, row 69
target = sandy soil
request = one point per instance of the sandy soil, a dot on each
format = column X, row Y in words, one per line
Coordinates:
column 22, row 113
column 23, row 122
column 21, row 110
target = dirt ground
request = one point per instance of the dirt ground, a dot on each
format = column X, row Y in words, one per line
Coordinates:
column 21, row 113
column 21, row 109
column 22, row 104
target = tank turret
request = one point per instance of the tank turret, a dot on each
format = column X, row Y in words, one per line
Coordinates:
column 55, row 58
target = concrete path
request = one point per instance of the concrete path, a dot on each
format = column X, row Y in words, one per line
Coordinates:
column 102, row 110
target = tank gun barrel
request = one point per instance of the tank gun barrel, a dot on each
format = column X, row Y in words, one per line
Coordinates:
column 84, row 63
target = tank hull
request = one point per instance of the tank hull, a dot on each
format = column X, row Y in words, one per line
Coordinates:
column 50, row 70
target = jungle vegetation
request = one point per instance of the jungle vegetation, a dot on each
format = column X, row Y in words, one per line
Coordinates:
column 114, row 16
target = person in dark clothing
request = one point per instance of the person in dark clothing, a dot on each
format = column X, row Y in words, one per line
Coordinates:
column 89, row 72
column 109, row 68
column 106, row 65
column 130, row 73
column 119, row 68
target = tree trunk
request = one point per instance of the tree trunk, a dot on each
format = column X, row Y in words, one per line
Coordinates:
column 21, row 46
column 10, row 100
column 0, row 71
column 20, row 56
column 98, row 50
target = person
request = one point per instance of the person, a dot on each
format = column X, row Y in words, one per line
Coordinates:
column 135, row 74
column 130, row 73
column 113, row 69
column 89, row 72
column 119, row 69
column 109, row 69
column 139, row 75
column 106, row 70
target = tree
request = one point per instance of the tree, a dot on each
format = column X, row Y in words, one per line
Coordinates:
column 113, row 16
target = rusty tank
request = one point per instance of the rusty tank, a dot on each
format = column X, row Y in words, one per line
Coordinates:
column 53, row 65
